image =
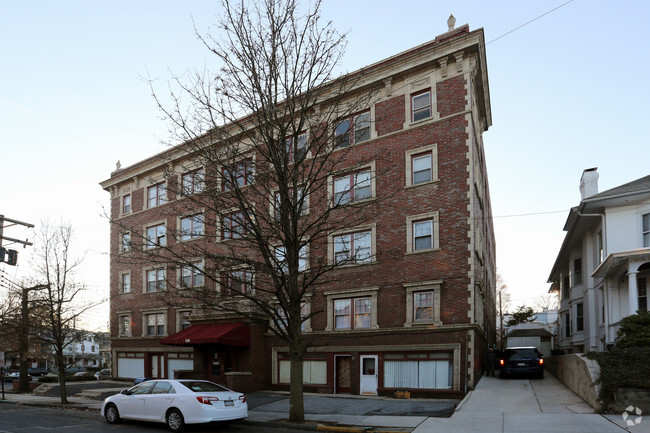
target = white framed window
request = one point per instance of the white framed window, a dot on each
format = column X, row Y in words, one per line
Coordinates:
column 182, row 321
column 421, row 106
column 348, row 310
column 352, row 187
column 156, row 195
column 422, row 232
column 305, row 310
column 423, row 303
column 126, row 204
column 299, row 143
column 579, row 317
column 192, row 227
column 577, row 271
column 352, row 130
column 645, row 228
column 422, row 165
column 154, row 324
column 303, row 258
column 301, row 200
column 124, row 324
column 155, row 280
column 125, row 282
column 192, row 182
column 192, row 274
column 156, row 236
column 125, row 242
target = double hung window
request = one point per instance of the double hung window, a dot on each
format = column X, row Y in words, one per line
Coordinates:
column 231, row 226
column 422, row 306
column 299, row 144
column 156, row 280
column 240, row 281
column 577, row 272
column 353, row 248
column 155, row 324
column 124, row 325
column 421, row 106
column 126, row 204
column 125, row 242
column 281, row 258
column 125, row 283
column 192, row 274
column 646, row 230
column 192, row 182
column 354, row 313
column 156, row 236
column 352, row 187
column 422, row 168
column 156, row 195
column 423, row 235
column 352, row 130
column 192, row 227
column 579, row 317
column 241, row 174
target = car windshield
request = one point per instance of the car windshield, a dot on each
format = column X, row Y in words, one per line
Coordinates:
column 521, row 353
column 204, row 386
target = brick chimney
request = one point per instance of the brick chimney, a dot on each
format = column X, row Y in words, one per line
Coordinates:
column 589, row 183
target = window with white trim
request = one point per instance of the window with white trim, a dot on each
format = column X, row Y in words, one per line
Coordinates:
column 125, row 242
column 353, row 248
column 299, row 143
column 302, row 201
column 126, row 204
column 124, row 325
column 646, row 230
column 423, row 303
column 231, row 226
column 303, row 258
column 422, row 165
column 156, row 280
column 156, row 236
column 125, row 282
column 183, row 322
column 192, row 182
column 352, row 187
column 580, row 317
column 352, row 313
column 421, row 106
column 156, row 195
column 239, row 281
column 241, row 174
column 577, row 272
column 192, row 227
column 352, row 130
column 423, row 306
column 155, row 324
column 305, row 310
column 192, row 274
column 422, row 232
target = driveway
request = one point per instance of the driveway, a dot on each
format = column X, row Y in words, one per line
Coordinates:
column 527, row 406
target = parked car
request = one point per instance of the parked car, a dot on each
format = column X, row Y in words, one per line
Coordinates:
column 176, row 403
column 37, row 371
column 15, row 376
column 103, row 374
column 522, row 360
column 84, row 373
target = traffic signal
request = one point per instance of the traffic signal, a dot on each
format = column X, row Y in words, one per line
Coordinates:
column 2, row 254
column 12, row 257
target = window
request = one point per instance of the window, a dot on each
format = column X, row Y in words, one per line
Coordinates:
column 126, row 204
column 577, row 272
column 125, row 242
column 643, row 294
column 353, row 248
column 422, row 165
column 567, row 325
column 155, row 324
column 231, row 227
column 352, row 187
column 156, row 236
column 191, row 227
column 314, row 371
column 566, row 287
column 422, row 232
column 281, row 258
column 646, row 230
column 304, row 312
column 423, row 306
column 192, row 275
column 156, row 280
column 423, row 303
column 240, row 281
column 352, row 313
column 192, row 182
column 579, row 318
column 354, row 129
column 125, row 283
column 241, row 175
column 302, row 202
column 124, row 325
column 421, row 106
column 156, row 195
column 599, row 244
column 300, row 142
column 183, row 322
column 418, row 370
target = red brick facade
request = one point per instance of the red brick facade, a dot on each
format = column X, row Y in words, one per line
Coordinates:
column 459, row 270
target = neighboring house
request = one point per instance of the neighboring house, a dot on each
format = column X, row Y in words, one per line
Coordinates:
column 426, row 312
column 535, row 334
column 83, row 351
column 602, row 269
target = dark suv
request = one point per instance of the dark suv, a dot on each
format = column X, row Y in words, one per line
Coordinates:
column 521, row 360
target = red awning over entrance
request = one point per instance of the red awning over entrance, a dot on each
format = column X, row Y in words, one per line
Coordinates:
column 230, row 334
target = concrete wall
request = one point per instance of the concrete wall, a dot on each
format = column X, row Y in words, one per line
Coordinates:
column 579, row 374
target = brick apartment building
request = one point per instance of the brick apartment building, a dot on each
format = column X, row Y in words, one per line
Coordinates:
column 417, row 315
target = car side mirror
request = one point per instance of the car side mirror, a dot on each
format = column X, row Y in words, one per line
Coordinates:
column 125, row 392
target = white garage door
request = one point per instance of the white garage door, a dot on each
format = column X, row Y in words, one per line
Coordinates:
column 129, row 367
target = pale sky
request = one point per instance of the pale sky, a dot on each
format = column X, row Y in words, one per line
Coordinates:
column 569, row 91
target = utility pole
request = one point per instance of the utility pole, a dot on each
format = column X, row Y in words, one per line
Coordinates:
column 11, row 256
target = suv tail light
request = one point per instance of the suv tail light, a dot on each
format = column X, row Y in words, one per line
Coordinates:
column 541, row 361
column 501, row 362
column 207, row 400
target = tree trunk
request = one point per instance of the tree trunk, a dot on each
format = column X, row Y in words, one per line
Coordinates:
column 60, row 365
column 296, row 403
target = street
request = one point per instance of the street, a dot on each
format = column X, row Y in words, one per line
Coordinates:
column 17, row 418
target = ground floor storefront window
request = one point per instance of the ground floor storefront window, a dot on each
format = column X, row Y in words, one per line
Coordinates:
column 314, row 371
column 160, row 365
column 418, row 370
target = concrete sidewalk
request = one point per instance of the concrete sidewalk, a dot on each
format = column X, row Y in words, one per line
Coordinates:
column 526, row 406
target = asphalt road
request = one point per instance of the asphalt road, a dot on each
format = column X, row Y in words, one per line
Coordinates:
column 22, row 419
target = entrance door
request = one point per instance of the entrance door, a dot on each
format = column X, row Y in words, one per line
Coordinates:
column 158, row 366
column 342, row 374
column 369, row 381
column 220, row 362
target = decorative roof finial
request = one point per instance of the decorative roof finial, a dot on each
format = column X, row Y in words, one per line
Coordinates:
column 118, row 166
column 451, row 22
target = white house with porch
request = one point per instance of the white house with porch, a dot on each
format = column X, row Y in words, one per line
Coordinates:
column 602, row 270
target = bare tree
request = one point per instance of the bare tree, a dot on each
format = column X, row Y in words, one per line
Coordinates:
column 263, row 139
column 503, row 299
column 57, row 299
column 546, row 302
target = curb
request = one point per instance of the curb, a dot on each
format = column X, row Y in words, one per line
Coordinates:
column 463, row 401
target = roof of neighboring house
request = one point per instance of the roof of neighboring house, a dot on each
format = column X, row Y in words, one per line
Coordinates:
column 529, row 329
column 639, row 185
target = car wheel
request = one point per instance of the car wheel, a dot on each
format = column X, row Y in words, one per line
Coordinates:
column 175, row 420
column 112, row 414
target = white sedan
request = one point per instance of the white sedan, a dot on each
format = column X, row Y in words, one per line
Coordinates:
column 176, row 402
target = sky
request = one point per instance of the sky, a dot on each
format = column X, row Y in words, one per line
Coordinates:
column 568, row 87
